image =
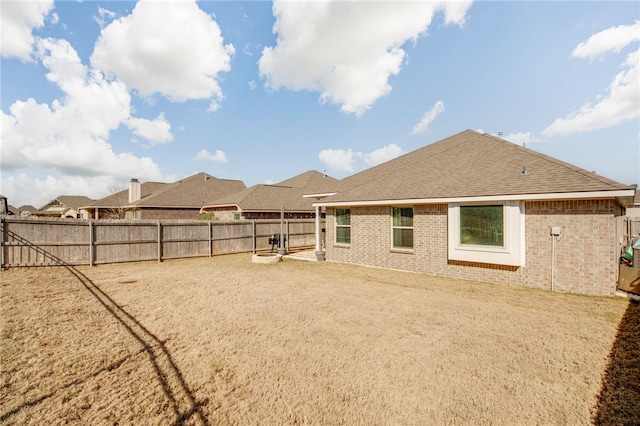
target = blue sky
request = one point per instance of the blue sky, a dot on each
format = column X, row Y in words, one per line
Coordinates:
column 95, row 93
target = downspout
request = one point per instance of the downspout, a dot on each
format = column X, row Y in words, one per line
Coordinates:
column 318, row 227
column 553, row 259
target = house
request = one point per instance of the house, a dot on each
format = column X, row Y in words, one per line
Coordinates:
column 270, row 201
column 115, row 205
column 476, row 207
column 634, row 210
column 25, row 211
column 65, row 206
column 153, row 200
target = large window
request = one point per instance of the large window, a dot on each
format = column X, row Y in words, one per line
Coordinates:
column 487, row 233
column 482, row 225
column 402, row 225
column 343, row 226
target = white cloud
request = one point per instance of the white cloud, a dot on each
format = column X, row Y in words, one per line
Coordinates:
column 382, row 155
column 428, row 117
column 24, row 189
column 18, row 20
column 612, row 39
column 171, row 48
column 621, row 101
column 521, row 138
column 343, row 160
column 253, row 85
column 103, row 16
column 155, row 131
column 70, row 135
column 338, row 159
column 346, row 50
column 216, row 157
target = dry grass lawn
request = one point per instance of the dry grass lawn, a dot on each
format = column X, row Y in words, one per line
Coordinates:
column 226, row 341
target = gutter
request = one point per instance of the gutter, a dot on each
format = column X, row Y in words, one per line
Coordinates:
column 624, row 197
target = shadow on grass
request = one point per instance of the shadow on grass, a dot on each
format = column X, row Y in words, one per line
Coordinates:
column 619, row 399
column 183, row 403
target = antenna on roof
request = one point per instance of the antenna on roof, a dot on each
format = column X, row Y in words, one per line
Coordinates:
column 500, row 135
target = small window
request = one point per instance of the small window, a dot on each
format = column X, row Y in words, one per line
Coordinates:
column 343, row 226
column 402, row 227
column 482, row 225
column 236, row 216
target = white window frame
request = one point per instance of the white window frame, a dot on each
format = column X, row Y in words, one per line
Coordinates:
column 511, row 253
column 342, row 226
column 393, row 227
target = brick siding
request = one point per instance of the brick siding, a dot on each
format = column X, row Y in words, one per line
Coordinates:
column 585, row 252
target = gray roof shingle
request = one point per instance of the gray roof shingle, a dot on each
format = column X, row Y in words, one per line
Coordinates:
column 288, row 194
column 469, row 164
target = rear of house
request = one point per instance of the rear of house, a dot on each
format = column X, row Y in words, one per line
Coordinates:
column 477, row 207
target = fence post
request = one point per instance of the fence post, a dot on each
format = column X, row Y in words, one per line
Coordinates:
column 2, row 243
column 159, row 242
column 253, row 235
column 90, row 243
column 210, row 238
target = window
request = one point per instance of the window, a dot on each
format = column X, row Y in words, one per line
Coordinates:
column 402, row 225
column 487, row 233
column 343, row 226
column 482, row 225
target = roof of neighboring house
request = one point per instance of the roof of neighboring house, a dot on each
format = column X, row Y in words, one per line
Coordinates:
column 62, row 203
column 27, row 208
column 469, row 164
column 288, row 194
column 121, row 198
column 190, row 192
column 311, row 181
column 14, row 210
column 70, row 201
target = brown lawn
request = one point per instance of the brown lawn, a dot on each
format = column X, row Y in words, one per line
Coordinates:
column 226, row 341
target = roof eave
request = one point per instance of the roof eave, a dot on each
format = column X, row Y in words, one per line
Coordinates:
column 624, row 197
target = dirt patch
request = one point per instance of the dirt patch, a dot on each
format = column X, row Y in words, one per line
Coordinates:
column 225, row 340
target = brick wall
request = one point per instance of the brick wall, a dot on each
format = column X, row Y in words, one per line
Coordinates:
column 585, row 252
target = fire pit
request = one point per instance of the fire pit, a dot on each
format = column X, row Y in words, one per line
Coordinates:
column 267, row 258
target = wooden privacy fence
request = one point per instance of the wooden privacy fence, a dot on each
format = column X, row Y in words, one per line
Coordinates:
column 80, row 242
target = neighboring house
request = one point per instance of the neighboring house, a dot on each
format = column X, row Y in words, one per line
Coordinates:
column 179, row 200
column 115, row 205
column 634, row 211
column 26, row 210
column 473, row 206
column 270, row 201
column 65, row 206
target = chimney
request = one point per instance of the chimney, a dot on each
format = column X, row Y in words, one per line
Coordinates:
column 134, row 190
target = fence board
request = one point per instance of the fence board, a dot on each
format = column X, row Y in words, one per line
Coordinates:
column 41, row 242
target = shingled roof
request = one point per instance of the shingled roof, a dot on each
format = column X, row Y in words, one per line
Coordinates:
column 121, row 198
column 190, row 192
column 467, row 165
column 288, row 194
